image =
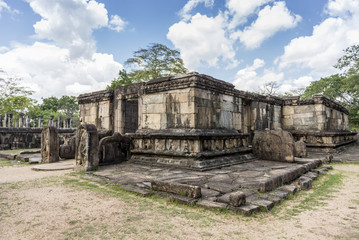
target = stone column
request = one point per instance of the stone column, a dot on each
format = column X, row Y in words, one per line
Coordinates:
column 6, row 120
column 1, row 120
column 49, row 145
column 64, row 124
column 21, row 120
column 15, row 123
column 87, row 148
column 71, row 123
column 28, row 120
column 56, row 123
column 59, row 122
column 10, row 120
column 41, row 121
column 51, row 121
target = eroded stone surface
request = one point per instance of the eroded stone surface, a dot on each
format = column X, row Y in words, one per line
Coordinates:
column 87, row 146
column 49, row 145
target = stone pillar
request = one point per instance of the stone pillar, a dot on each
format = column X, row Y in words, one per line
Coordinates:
column 71, row 123
column 59, row 122
column 41, row 121
column 87, row 148
column 49, row 145
column 51, row 120
column 10, row 120
column 56, row 123
column 21, row 120
column 1, row 120
column 35, row 122
column 15, row 123
column 28, row 120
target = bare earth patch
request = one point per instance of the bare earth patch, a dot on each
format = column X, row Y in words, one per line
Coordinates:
column 56, row 205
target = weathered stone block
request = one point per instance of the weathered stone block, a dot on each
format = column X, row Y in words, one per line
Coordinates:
column 87, row 147
column 49, row 145
column 276, row 145
column 211, row 204
column 237, row 199
column 300, row 149
column 305, row 183
column 177, row 188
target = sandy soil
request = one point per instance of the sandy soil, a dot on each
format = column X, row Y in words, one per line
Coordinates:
column 45, row 205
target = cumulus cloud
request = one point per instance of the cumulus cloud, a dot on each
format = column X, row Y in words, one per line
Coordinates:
column 117, row 23
column 5, row 7
column 213, row 41
column 70, row 23
column 203, row 40
column 248, row 79
column 271, row 19
column 320, row 51
column 190, row 5
column 68, row 63
column 49, row 71
column 241, row 9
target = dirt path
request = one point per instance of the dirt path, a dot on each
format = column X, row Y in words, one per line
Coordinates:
column 56, row 205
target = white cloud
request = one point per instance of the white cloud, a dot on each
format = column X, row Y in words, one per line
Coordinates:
column 203, row 40
column 248, row 79
column 70, row 23
column 342, row 8
column 49, row 71
column 190, row 5
column 117, row 23
column 5, row 7
column 320, row 51
column 68, row 63
column 241, row 9
column 270, row 20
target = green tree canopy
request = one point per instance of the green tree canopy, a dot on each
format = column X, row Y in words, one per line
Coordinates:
column 343, row 87
column 155, row 61
column 14, row 98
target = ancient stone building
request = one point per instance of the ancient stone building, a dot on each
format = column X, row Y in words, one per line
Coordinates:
column 196, row 121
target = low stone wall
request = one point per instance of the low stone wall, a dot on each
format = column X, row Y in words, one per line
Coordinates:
column 199, row 150
column 22, row 138
column 329, row 141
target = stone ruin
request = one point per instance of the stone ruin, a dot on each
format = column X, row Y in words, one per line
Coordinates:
column 194, row 121
column 199, row 123
column 25, row 132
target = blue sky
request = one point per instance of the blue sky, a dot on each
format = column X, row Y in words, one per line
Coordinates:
column 70, row 47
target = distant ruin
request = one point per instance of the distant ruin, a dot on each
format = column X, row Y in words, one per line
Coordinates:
column 195, row 121
column 25, row 132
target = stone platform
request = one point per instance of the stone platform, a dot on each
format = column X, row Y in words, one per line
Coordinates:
column 259, row 183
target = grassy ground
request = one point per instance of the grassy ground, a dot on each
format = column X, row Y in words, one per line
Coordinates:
column 18, row 151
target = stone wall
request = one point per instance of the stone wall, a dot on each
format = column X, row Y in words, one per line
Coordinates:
column 22, row 138
column 97, row 108
column 316, row 114
column 190, row 102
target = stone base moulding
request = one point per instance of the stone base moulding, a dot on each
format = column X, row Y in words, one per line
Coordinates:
column 190, row 149
column 328, row 141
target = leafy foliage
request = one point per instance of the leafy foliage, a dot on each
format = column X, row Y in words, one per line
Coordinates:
column 344, row 87
column 122, row 80
column 155, row 61
column 14, row 97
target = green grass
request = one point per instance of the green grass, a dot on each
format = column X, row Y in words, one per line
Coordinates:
column 18, row 151
column 6, row 162
column 323, row 188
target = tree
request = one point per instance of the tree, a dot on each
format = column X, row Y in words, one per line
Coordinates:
column 344, row 87
column 14, row 98
column 269, row 88
column 155, row 61
column 66, row 106
column 122, row 80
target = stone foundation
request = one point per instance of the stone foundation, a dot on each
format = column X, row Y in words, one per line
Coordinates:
column 190, row 149
column 329, row 141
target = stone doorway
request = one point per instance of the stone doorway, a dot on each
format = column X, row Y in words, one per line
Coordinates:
column 131, row 115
